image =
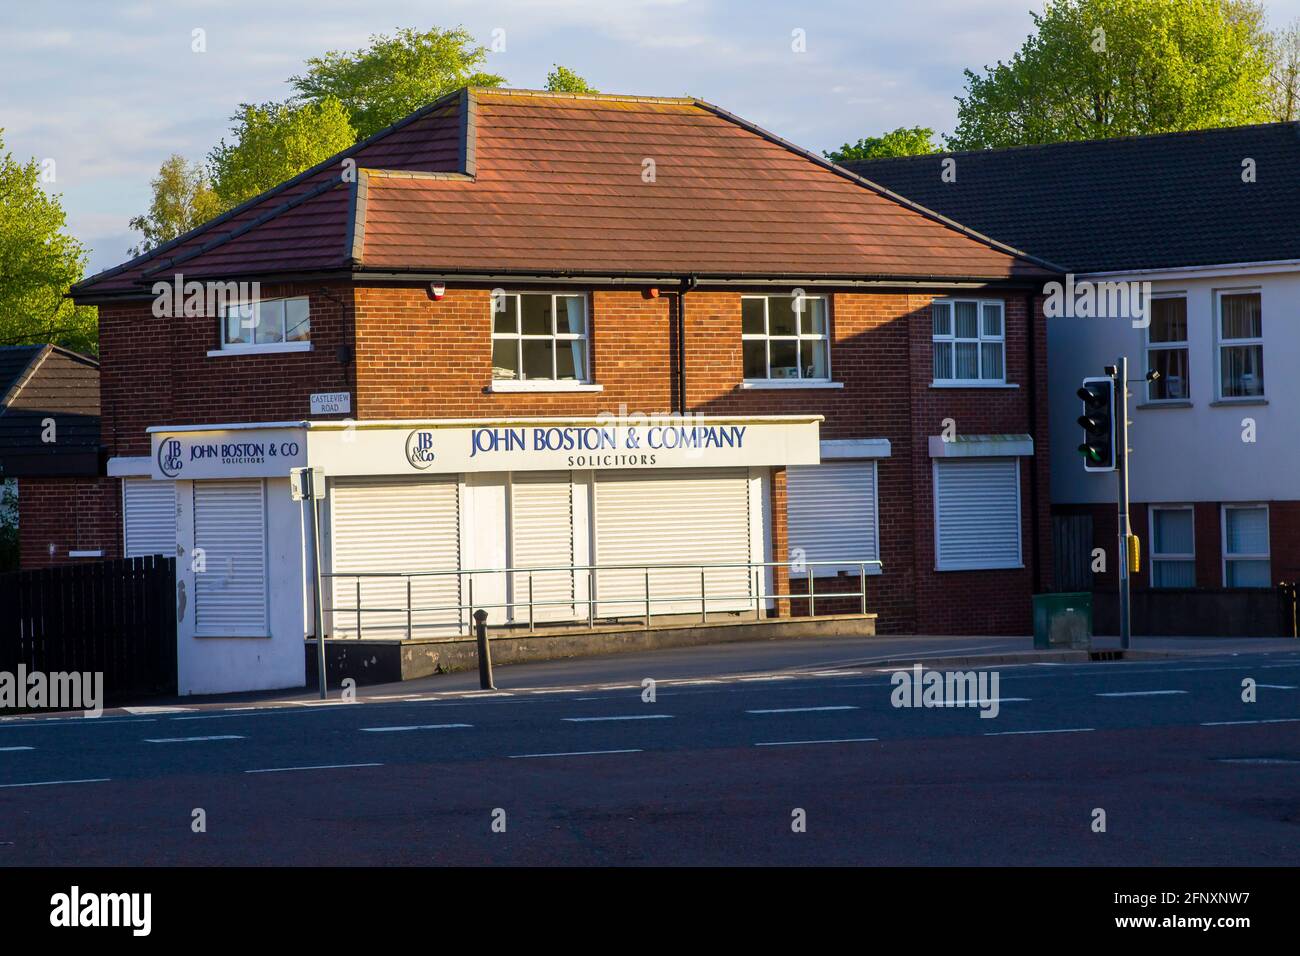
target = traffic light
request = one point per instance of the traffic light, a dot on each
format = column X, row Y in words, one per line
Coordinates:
column 1098, row 422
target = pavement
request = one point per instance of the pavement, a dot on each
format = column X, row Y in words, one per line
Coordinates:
column 765, row 753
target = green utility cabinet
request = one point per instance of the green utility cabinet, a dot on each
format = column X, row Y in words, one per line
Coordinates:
column 1063, row 621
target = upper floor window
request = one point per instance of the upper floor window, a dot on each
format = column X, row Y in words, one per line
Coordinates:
column 539, row 336
column 1167, row 349
column 1241, row 345
column 266, row 325
column 785, row 338
column 969, row 341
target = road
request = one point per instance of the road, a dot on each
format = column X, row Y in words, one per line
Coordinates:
column 714, row 771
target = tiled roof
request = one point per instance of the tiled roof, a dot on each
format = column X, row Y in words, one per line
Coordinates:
column 511, row 181
column 40, row 382
column 1142, row 202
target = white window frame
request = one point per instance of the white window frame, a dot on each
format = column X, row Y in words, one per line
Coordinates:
column 1223, row 532
column 243, row 348
column 1221, row 343
column 1019, row 561
column 981, row 339
column 555, row 337
column 798, row 338
column 1183, row 345
column 1168, row 556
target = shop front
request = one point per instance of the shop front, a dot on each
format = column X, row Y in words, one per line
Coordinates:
column 540, row 522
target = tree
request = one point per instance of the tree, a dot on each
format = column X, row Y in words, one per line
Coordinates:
column 1284, row 81
column 563, row 80
column 39, row 261
column 904, row 141
column 182, row 199
column 1100, row 68
column 394, row 76
column 275, row 142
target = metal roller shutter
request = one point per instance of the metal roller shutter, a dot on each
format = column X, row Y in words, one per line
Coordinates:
column 395, row 525
column 977, row 513
column 148, row 517
column 541, row 535
column 674, row 517
column 230, row 530
column 831, row 513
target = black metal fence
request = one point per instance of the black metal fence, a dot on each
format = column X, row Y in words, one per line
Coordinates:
column 115, row 617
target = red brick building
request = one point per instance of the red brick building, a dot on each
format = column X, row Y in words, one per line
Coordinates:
column 521, row 330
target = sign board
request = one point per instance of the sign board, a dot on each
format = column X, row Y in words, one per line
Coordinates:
column 331, row 403
column 231, row 453
column 565, row 446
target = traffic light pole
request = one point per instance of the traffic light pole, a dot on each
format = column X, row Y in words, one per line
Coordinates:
column 1121, row 476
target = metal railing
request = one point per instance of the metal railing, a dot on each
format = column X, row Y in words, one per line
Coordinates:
column 759, row 591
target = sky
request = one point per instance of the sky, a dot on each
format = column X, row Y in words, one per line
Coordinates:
column 108, row 89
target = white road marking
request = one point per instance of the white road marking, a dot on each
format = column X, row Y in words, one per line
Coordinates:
column 324, row 703
column 1277, row 686
column 83, row 721
column 800, row 710
column 486, row 693
column 1065, row 730
column 791, row 743
column 1139, row 693
column 575, row 753
column 690, row 683
column 834, row 674
column 584, row 720
column 984, row 702
column 1237, row 723
column 747, row 680
column 381, row 730
column 157, row 710
column 191, row 740
column 327, row 766
column 11, row 749
column 51, row 783
column 557, row 690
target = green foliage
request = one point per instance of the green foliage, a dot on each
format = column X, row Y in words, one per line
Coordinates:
column 274, row 142
column 904, row 141
column 394, row 76
column 38, row 262
column 563, row 80
column 1100, row 68
column 8, row 525
column 182, row 199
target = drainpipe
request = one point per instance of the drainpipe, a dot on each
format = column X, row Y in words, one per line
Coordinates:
column 688, row 283
column 1031, row 381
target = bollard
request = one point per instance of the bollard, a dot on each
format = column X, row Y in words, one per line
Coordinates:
column 484, row 653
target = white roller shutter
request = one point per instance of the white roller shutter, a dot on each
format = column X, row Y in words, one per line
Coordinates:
column 977, row 513
column 148, row 517
column 831, row 513
column 230, row 530
column 672, row 517
column 541, row 536
column 398, row 525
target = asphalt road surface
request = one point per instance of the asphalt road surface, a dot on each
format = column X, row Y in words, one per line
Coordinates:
column 718, row 769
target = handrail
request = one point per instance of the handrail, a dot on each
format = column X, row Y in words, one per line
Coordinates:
column 756, row 592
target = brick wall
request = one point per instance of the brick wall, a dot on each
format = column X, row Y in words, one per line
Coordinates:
column 58, row 515
column 416, row 357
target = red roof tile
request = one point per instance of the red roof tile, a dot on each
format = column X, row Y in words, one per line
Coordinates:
column 557, row 183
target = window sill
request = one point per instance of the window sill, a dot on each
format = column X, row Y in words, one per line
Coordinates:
column 844, row 571
column 786, row 383
column 85, row 554
column 974, row 385
column 269, row 348
column 506, row 385
column 1175, row 403
column 1219, row 402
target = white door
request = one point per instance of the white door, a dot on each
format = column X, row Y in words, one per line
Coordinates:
column 230, row 559
column 681, row 517
column 541, row 536
column 395, row 525
column 148, row 517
